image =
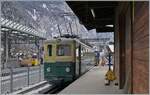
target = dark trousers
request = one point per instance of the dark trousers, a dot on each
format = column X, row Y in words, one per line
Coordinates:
column 97, row 61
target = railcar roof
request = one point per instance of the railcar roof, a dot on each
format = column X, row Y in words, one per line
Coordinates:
column 68, row 40
column 61, row 39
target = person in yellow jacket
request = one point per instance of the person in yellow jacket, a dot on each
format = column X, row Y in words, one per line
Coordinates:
column 34, row 59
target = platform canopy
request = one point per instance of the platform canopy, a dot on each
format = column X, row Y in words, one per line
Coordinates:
column 95, row 14
column 18, row 29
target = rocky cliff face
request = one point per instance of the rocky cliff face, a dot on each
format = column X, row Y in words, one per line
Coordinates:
column 45, row 16
column 40, row 15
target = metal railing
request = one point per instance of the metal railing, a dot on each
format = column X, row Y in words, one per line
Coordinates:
column 14, row 79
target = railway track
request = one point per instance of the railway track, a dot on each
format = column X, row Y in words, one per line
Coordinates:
column 34, row 89
column 44, row 87
column 41, row 88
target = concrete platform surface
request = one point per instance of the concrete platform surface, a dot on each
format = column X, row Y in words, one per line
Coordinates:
column 93, row 82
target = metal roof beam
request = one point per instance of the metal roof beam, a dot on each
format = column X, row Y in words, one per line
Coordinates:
column 5, row 23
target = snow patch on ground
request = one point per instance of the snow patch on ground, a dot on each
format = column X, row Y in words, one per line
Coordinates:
column 33, row 15
column 45, row 6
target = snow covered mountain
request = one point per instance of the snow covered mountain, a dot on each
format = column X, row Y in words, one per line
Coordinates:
column 43, row 16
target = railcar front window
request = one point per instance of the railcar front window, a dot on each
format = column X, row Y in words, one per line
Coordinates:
column 49, row 50
column 63, row 50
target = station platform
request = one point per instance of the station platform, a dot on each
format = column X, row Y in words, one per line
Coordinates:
column 92, row 82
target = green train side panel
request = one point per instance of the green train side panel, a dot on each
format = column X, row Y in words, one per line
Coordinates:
column 57, row 70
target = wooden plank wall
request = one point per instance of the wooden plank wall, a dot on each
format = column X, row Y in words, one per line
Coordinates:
column 141, row 48
column 136, row 47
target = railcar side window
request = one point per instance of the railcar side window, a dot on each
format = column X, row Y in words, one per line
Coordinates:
column 49, row 50
column 63, row 50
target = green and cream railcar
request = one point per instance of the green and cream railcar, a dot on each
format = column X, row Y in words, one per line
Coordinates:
column 60, row 59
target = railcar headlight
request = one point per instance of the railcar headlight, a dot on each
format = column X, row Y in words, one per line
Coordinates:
column 67, row 69
column 48, row 69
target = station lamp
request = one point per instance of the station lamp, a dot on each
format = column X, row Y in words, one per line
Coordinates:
column 4, row 29
column 93, row 13
column 15, row 32
column 24, row 34
column 31, row 36
column 109, row 25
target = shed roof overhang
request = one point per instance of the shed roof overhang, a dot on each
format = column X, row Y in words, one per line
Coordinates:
column 16, row 31
column 97, row 15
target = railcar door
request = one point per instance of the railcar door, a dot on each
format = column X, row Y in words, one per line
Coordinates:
column 77, row 62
